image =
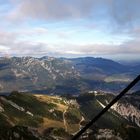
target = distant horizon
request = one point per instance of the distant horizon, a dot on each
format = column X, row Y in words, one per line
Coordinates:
column 125, row 61
column 76, row 28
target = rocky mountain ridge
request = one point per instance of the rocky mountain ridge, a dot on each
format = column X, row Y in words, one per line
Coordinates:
column 63, row 75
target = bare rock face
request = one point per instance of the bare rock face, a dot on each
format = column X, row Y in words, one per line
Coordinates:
column 27, row 73
column 1, row 109
column 128, row 111
column 107, row 134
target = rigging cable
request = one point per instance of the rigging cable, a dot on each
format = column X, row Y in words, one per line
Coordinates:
column 133, row 83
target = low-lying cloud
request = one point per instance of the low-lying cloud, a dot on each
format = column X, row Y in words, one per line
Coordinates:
column 117, row 14
column 11, row 45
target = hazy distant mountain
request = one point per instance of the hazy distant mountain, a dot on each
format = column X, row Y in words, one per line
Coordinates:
column 102, row 65
column 42, row 117
column 62, row 75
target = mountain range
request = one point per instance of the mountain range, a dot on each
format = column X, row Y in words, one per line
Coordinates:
column 51, row 75
column 53, row 98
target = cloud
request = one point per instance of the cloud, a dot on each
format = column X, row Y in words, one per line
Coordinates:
column 120, row 12
column 7, row 38
column 10, row 43
column 88, row 49
column 52, row 9
column 114, row 14
column 37, row 31
column 28, row 48
column 4, row 49
column 124, row 12
column 126, row 48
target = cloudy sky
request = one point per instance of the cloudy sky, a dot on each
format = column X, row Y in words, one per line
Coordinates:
column 70, row 28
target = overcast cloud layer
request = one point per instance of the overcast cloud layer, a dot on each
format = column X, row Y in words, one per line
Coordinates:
column 70, row 28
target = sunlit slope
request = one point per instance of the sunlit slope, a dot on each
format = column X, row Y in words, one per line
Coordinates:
column 39, row 116
column 39, row 111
